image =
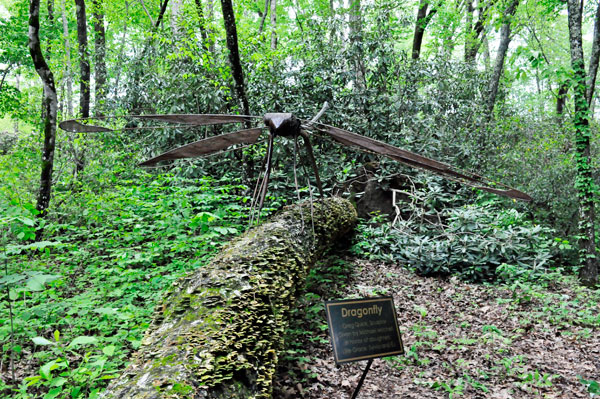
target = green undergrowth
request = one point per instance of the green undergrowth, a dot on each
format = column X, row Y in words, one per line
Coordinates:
column 75, row 305
column 326, row 281
column 481, row 241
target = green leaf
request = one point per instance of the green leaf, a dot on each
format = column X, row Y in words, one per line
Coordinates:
column 56, row 335
column 12, row 278
column 26, row 221
column 83, row 340
column 221, row 230
column 75, row 392
column 46, row 369
column 58, row 381
column 53, row 393
column 37, row 281
column 42, row 341
column 108, row 350
column 105, row 310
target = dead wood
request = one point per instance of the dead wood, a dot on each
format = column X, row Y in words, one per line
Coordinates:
column 219, row 331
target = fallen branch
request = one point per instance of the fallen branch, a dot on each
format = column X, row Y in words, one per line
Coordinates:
column 218, row 333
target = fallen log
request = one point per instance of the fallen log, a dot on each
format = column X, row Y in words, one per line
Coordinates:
column 218, row 332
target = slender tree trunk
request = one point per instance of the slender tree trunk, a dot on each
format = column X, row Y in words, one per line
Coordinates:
column 474, row 32
column 238, row 76
column 356, row 40
column 264, row 17
column 273, row 24
column 18, row 86
column 211, row 17
column 499, row 64
column 84, row 64
column 561, row 99
column 234, row 54
column 486, row 53
column 175, row 16
column 100, row 59
column 594, row 59
column 334, row 32
column 423, row 19
column 121, row 53
column 161, row 14
column 147, row 12
column 5, row 73
column 50, row 104
column 202, row 22
column 584, row 181
column 68, row 66
column 468, row 26
column 50, row 8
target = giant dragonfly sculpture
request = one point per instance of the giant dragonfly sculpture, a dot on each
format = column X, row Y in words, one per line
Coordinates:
column 287, row 125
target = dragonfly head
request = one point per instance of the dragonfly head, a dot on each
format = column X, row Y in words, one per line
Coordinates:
column 282, row 124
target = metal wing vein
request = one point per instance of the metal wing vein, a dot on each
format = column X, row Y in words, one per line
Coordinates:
column 76, row 125
column 208, row 146
column 406, row 157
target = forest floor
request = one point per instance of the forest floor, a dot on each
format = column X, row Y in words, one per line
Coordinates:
column 460, row 340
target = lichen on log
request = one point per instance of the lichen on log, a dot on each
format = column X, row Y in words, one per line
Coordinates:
column 219, row 330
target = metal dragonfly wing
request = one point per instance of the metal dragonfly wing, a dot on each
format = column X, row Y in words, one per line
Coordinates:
column 287, row 125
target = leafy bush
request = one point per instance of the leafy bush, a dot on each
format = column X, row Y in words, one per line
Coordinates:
column 7, row 141
column 478, row 242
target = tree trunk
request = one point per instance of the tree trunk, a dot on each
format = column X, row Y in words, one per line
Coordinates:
column 202, row 23
column 84, row 64
column 594, row 59
column 423, row 19
column 273, row 24
column 584, row 182
column 218, row 333
column 486, row 53
column 50, row 9
column 100, row 59
column 356, row 40
column 234, row 54
column 211, row 17
column 473, row 33
column 332, row 22
column 499, row 64
column 264, row 17
column 50, row 105
column 161, row 14
column 18, row 87
column 561, row 99
column 68, row 66
column 175, row 17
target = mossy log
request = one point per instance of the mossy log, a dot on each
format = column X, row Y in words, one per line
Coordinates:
column 219, row 331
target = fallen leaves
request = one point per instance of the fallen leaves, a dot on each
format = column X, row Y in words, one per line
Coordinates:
column 462, row 341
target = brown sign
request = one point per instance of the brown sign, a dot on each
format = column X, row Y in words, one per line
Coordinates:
column 363, row 329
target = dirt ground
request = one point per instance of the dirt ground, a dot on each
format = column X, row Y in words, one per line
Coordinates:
column 461, row 341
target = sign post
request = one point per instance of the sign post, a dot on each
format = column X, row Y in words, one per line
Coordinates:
column 363, row 329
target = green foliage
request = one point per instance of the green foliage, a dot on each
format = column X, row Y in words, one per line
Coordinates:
column 478, row 242
column 593, row 387
column 98, row 279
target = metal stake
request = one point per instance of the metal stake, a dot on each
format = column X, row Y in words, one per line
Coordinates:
column 362, row 379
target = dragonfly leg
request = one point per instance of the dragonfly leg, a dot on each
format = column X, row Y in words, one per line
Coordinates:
column 313, row 163
column 265, row 183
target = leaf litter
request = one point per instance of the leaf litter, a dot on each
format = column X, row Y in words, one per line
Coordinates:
column 461, row 340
